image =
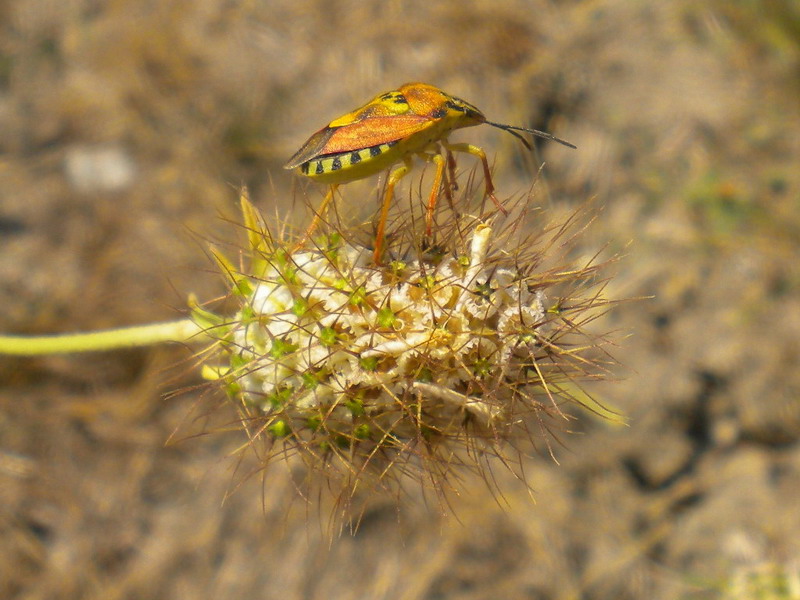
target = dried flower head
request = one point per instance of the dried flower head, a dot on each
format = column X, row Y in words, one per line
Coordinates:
column 421, row 364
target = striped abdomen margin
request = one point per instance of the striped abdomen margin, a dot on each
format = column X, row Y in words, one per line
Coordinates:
column 329, row 163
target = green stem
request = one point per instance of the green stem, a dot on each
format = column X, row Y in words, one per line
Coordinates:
column 113, row 339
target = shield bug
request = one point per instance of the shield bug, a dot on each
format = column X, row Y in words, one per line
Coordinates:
column 392, row 128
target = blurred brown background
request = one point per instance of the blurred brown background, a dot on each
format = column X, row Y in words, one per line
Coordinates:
column 126, row 127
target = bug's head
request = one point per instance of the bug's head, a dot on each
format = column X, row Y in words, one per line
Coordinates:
column 425, row 99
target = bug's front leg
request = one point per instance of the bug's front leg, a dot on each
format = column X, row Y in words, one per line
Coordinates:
column 487, row 176
column 380, row 233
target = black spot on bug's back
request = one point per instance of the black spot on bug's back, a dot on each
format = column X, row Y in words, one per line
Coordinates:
column 355, row 158
column 392, row 143
column 400, row 99
column 438, row 113
column 319, row 170
column 374, row 150
column 304, row 167
column 336, row 164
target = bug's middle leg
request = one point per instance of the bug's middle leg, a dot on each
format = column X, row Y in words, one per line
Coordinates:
column 451, row 171
column 441, row 163
column 487, row 175
column 380, row 233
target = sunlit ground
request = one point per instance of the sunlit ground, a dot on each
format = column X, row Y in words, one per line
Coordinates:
column 127, row 128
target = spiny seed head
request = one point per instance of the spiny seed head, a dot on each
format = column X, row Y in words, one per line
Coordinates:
column 412, row 363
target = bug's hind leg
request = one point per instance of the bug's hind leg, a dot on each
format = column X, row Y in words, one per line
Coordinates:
column 380, row 234
column 319, row 216
column 487, row 175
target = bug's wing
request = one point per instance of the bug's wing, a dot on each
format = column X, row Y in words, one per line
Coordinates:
column 375, row 131
column 311, row 149
column 357, row 136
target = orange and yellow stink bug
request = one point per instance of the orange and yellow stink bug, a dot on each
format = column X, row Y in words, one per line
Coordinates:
column 391, row 128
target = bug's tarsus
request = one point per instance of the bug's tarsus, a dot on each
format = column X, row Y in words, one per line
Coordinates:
column 542, row 134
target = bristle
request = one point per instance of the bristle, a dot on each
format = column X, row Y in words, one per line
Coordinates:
column 542, row 134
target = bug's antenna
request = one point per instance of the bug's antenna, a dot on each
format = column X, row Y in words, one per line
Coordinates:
column 542, row 134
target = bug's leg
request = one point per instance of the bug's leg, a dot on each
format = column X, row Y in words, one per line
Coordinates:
column 441, row 163
column 450, row 183
column 319, row 215
column 475, row 151
column 451, row 170
column 380, row 233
